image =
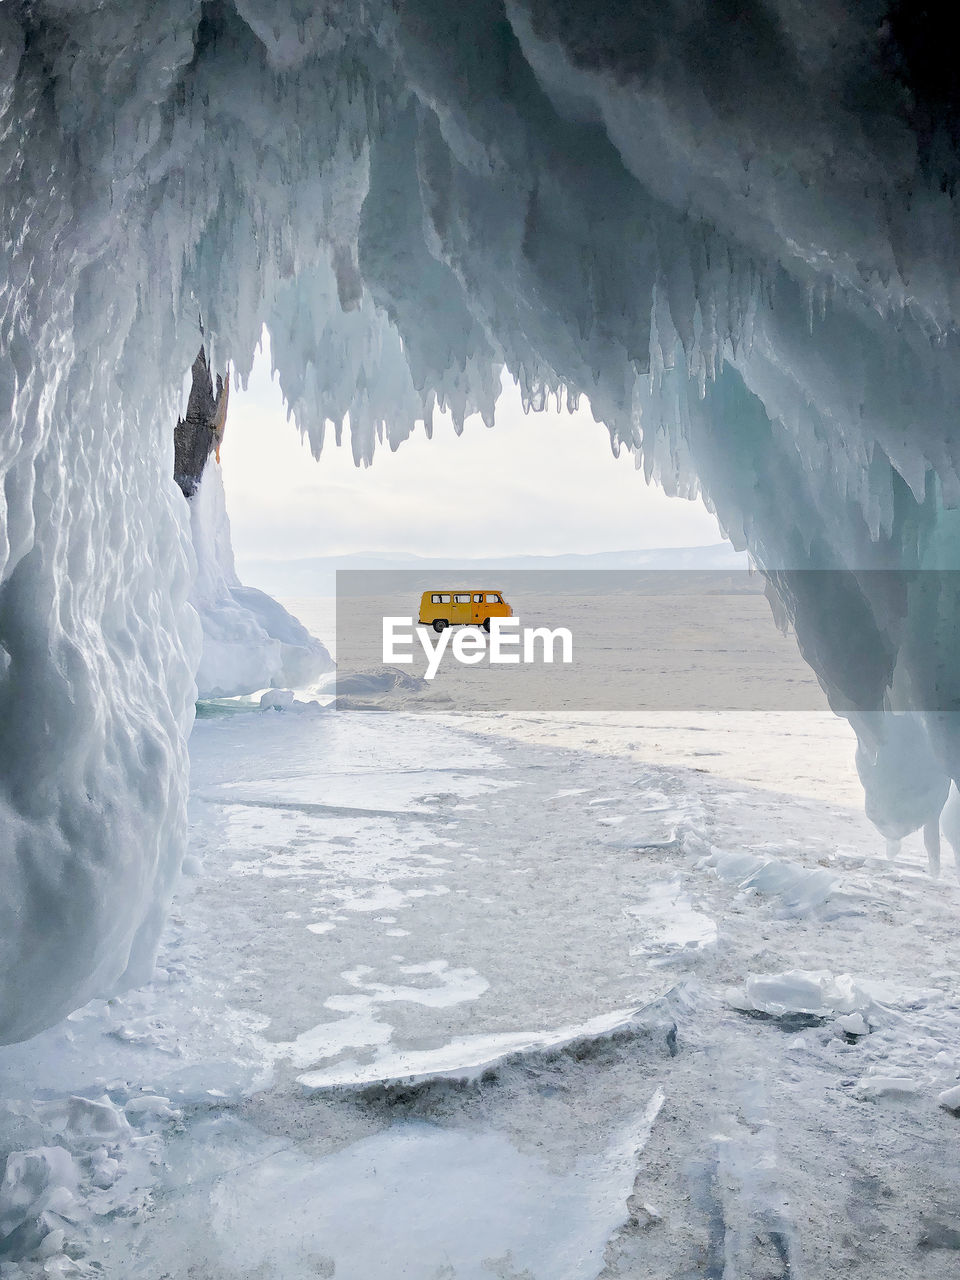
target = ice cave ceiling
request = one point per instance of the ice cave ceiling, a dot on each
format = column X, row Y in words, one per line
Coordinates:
column 733, row 225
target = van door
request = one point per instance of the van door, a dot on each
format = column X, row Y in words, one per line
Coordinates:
column 439, row 607
column 461, row 607
column 476, row 612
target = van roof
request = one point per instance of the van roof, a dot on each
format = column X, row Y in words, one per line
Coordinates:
column 461, row 590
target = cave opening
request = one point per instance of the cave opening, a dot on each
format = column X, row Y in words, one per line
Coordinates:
column 559, row 994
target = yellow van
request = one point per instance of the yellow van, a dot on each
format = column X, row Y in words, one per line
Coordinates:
column 439, row 609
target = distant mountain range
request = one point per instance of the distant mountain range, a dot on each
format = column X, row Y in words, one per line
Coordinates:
column 316, row 575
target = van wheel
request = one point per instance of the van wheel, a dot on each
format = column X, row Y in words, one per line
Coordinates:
column 440, row 623
column 486, row 624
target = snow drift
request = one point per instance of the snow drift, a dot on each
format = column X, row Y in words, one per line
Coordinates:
column 732, row 226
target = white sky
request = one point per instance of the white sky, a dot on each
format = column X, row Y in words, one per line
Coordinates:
column 537, row 484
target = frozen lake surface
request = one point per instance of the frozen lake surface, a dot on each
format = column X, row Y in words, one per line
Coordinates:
column 447, row 1004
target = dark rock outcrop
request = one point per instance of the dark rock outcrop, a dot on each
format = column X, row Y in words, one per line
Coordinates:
column 199, row 434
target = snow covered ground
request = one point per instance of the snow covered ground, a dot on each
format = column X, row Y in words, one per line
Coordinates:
column 457, row 1001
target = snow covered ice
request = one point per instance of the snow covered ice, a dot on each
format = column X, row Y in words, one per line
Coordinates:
column 735, row 231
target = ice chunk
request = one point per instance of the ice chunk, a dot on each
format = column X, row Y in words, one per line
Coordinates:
column 36, row 1188
column 276, row 699
column 146, row 1106
column 854, row 1024
column 816, row 992
column 104, row 1169
column 801, row 889
column 471, row 1057
column 95, row 1121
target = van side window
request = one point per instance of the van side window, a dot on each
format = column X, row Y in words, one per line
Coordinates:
column 435, row 598
column 444, row 599
column 494, row 600
column 461, row 599
column 478, row 599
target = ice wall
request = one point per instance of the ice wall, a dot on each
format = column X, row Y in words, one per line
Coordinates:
column 733, row 225
column 250, row 642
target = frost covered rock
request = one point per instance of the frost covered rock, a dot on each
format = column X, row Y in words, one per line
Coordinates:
column 200, row 432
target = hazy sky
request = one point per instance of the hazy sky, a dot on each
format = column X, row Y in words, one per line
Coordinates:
column 542, row 484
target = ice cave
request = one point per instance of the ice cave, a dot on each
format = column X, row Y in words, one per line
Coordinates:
column 733, row 228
